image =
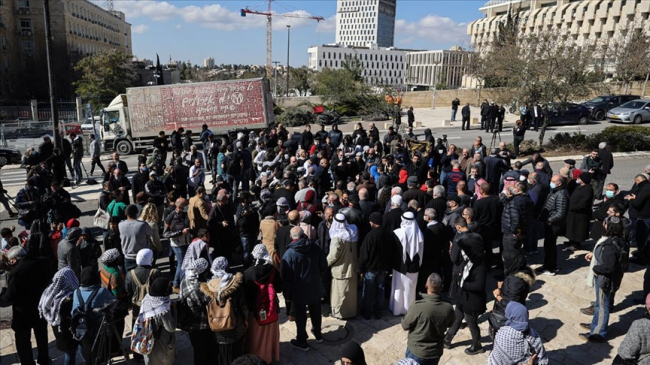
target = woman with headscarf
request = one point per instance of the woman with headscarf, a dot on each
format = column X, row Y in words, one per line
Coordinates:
column 409, row 241
column 352, row 354
column 112, row 279
column 263, row 340
column 156, row 307
column 225, row 286
column 342, row 259
column 55, row 307
column 193, row 302
column 305, row 224
column 516, row 342
column 90, row 283
column 196, row 250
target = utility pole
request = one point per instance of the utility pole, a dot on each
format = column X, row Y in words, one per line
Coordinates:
column 275, row 77
column 54, row 107
column 288, row 47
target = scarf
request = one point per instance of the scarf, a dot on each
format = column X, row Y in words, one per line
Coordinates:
column 196, row 268
column 467, row 268
column 261, row 255
column 64, row 283
column 517, row 316
column 590, row 273
column 341, row 229
column 154, row 307
column 218, row 269
column 193, row 253
column 410, row 237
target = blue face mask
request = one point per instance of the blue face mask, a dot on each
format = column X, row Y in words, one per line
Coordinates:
column 144, row 169
column 609, row 194
column 553, row 186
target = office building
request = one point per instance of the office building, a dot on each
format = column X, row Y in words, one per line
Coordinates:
column 381, row 66
column 581, row 21
column 363, row 22
column 208, row 62
column 430, row 68
column 79, row 29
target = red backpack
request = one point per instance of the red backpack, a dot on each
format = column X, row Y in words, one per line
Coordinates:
column 266, row 304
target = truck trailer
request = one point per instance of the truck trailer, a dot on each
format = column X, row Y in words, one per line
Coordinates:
column 133, row 120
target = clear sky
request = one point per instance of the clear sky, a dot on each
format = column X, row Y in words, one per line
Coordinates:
column 194, row 30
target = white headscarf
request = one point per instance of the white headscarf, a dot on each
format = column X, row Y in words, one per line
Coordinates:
column 341, row 229
column 219, row 266
column 144, row 257
column 411, row 237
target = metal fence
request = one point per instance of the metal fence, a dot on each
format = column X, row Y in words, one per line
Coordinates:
column 11, row 111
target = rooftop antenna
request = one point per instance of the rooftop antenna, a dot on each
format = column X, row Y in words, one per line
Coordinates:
column 108, row 5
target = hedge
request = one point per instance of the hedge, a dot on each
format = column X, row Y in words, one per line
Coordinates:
column 618, row 138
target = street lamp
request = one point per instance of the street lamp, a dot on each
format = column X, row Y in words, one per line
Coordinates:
column 288, row 45
column 275, row 78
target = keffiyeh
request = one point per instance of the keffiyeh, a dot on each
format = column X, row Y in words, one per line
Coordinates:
column 261, row 254
column 407, row 361
column 411, row 237
column 110, row 256
column 219, row 266
column 64, row 283
column 342, row 230
column 194, row 253
column 156, row 303
column 196, row 268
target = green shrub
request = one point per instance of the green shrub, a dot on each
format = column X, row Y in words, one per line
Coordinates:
column 618, row 139
column 295, row 117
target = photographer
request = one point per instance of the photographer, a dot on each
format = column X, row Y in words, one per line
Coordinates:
column 90, row 286
column 248, row 224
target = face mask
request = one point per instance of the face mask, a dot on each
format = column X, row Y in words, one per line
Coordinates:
column 522, row 178
column 144, row 169
column 609, row 194
column 529, row 182
column 185, row 208
column 553, row 186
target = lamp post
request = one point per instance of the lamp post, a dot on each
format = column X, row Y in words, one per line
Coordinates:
column 288, row 45
column 54, row 106
column 275, row 78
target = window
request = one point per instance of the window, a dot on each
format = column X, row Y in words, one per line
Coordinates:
column 28, row 47
column 23, row 3
column 4, row 42
column 25, row 25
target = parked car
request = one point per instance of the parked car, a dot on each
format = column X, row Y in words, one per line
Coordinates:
column 635, row 111
column 568, row 114
column 9, row 156
column 88, row 126
column 73, row 128
column 599, row 106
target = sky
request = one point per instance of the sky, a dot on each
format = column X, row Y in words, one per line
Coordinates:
column 195, row 30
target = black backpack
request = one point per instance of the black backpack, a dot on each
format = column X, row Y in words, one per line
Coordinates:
column 83, row 319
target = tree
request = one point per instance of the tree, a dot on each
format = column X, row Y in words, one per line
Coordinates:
column 339, row 85
column 543, row 67
column 104, row 76
column 301, row 80
column 632, row 51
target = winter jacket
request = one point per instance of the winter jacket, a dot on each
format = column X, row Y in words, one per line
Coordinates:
column 68, row 252
column 641, row 203
column 375, row 252
column 471, row 294
column 78, row 147
column 517, row 214
column 579, row 215
column 607, row 264
column 517, row 286
column 95, row 149
column 636, row 343
column 302, row 267
column 236, row 292
column 556, row 207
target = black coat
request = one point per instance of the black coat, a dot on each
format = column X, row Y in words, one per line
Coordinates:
column 25, row 284
column 579, row 215
column 393, row 219
column 436, row 247
column 607, row 160
column 376, row 251
column 440, row 206
column 471, row 295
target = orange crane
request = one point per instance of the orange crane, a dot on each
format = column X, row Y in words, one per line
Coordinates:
column 269, row 29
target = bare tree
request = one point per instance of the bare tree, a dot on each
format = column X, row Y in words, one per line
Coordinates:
column 631, row 49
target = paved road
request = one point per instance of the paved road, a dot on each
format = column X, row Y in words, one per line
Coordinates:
column 554, row 311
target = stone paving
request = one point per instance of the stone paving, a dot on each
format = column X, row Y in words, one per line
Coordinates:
column 554, row 311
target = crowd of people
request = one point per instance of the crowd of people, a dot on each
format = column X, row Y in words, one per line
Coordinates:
column 353, row 224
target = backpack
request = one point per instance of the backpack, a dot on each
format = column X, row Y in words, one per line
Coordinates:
column 221, row 316
column 266, row 304
column 83, row 319
column 234, row 164
column 142, row 336
column 143, row 289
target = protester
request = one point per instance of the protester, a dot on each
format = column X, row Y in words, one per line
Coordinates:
column 157, row 308
column 342, row 259
column 374, row 263
column 177, row 229
column 138, row 281
column 135, row 236
column 352, row 354
column 427, row 321
column 579, row 213
column 635, row 347
column 409, row 241
column 193, row 302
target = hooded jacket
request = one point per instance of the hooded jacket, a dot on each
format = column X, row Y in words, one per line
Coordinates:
column 302, row 266
column 68, row 252
column 517, row 214
column 517, row 286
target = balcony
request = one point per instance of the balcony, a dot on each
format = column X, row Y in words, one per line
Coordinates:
column 27, row 33
column 23, row 11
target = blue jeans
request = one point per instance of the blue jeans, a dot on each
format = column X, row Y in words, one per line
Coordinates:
column 179, row 252
column 247, row 245
column 70, row 358
column 453, row 114
column 601, row 310
column 419, row 360
column 373, row 292
column 443, row 176
column 129, row 265
column 77, row 168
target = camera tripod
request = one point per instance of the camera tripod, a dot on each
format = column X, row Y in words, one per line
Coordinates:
column 495, row 133
column 102, row 346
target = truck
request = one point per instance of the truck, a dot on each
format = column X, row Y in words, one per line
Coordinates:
column 132, row 120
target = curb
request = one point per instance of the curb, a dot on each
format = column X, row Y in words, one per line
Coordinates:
column 580, row 157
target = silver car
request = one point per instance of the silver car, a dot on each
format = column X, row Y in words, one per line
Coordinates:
column 635, row 111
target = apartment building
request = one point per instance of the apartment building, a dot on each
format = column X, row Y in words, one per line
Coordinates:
column 362, row 22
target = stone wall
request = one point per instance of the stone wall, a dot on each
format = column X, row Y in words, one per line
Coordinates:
column 285, row 102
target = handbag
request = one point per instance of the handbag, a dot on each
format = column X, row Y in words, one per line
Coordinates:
column 101, row 219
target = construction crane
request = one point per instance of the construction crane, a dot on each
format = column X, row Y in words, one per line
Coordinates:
column 269, row 29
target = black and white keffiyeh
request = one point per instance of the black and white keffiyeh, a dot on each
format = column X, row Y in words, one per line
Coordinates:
column 261, row 254
column 515, row 347
column 196, row 268
column 154, row 307
column 110, row 256
column 64, row 283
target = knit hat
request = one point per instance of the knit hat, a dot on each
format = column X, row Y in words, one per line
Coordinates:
column 412, row 181
column 144, row 257
column 72, row 223
column 585, row 177
column 375, row 218
column 454, row 198
column 110, row 256
column 570, row 162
